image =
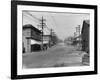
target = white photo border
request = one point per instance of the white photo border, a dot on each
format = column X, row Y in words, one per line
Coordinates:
column 53, row 70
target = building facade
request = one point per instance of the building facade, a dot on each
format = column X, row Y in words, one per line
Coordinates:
column 30, row 36
column 85, row 35
column 46, row 41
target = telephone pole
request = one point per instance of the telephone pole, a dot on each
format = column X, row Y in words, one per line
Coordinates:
column 51, row 30
column 79, row 35
column 75, row 34
column 42, row 25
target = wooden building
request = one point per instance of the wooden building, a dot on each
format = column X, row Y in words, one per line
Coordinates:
column 85, row 35
column 30, row 37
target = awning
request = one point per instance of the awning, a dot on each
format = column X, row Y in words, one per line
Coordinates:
column 35, row 42
column 38, row 42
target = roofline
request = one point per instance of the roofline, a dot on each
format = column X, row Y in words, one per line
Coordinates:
column 31, row 27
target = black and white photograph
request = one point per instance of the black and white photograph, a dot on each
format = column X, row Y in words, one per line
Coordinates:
column 53, row 39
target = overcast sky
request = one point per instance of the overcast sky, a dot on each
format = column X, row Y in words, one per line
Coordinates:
column 63, row 24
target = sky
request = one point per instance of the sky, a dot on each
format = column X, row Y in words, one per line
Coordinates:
column 63, row 24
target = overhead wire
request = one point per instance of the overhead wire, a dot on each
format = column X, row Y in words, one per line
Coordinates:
column 29, row 18
column 36, row 19
column 33, row 16
column 54, row 20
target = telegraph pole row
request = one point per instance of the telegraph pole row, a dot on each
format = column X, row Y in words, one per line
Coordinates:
column 51, row 30
column 42, row 25
column 79, row 34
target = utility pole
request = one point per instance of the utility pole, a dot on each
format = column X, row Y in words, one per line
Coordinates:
column 75, row 34
column 79, row 34
column 51, row 30
column 78, row 30
column 51, row 36
column 42, row 24
column 79, row 37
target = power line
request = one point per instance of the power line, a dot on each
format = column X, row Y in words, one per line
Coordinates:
column 30, row 18
column 35, row 19
column 42, row 25
column 33, row 16
column 54, row 21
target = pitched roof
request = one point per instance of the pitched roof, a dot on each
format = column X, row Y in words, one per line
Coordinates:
column 87, row 21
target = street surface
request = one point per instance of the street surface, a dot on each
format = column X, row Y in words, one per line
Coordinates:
column 59, row 55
